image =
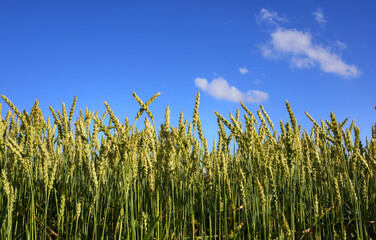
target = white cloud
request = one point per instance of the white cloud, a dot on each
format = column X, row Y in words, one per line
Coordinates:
column 257, row 81
column 255, row 96
column 298, row 46
column 319, row 16
column 269, row 17
column 219, row 88
column 340, row 45
column 243, row 70
column 267, row 51
column 302, row 62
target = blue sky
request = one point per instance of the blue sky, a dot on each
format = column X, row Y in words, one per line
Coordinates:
column 319, row 55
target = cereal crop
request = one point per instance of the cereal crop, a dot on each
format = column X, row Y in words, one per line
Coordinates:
column 164, row 182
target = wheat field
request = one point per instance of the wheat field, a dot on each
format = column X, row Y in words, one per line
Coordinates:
column 165, row 183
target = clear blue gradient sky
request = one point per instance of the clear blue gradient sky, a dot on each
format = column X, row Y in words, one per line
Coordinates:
column 319, row 55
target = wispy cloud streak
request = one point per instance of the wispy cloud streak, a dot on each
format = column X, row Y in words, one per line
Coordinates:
column 303, row 53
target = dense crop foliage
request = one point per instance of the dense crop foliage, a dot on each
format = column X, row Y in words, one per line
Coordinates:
column 165, row 183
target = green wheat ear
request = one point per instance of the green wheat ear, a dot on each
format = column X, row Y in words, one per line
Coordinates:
column 72, row 109
column 144, row 106
column 195, row 111
column 13, row 107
